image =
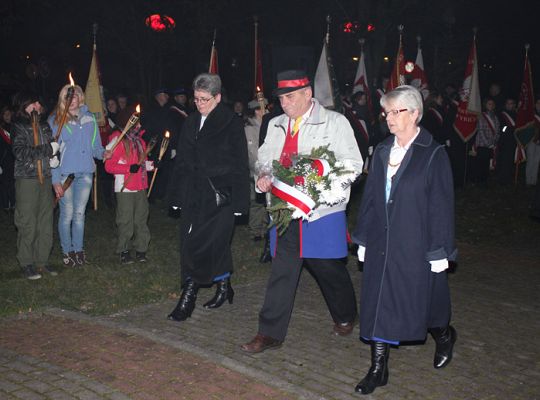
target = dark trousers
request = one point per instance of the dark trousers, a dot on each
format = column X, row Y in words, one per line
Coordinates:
column 481, row 165
column 331, row 275
column 34, row 221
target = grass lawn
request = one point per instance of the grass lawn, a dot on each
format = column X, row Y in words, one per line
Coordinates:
column 488, row 216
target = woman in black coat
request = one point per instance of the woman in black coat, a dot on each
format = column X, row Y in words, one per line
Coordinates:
column 210, row 184
column 405, row 233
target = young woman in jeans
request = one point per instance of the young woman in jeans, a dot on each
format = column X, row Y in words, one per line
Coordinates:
column 79, row 143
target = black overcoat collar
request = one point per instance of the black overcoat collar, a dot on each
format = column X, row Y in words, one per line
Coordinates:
column 216, row 121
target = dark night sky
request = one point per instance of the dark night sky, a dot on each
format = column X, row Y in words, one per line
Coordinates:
column 138, row 60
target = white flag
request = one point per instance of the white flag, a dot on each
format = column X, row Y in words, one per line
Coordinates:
column 323, row 84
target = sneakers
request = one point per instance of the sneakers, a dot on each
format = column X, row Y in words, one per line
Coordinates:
column 140, row 256
column 48, row 269
column 30, row 273
column 69, row 259
column 80, row 258
column 125, row 258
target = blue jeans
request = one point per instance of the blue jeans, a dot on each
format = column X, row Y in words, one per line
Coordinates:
column 72, row 212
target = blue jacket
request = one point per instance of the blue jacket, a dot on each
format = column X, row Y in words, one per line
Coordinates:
column 401, row 298
column 79, row 143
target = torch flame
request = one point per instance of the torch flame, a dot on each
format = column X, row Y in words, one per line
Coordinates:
column 71, row 81
column 138, row 108
column 167, row 134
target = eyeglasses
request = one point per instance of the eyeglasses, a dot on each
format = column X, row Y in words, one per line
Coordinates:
column 393, row 113
column 202, row 100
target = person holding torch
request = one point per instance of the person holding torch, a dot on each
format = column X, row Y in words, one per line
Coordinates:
column 33, row 147
column 80, row 143
column 129, row 165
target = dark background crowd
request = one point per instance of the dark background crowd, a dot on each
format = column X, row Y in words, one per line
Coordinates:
column 153, row 64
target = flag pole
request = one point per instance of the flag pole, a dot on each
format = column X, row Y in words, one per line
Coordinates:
column 255, row 60
column 94, row 192
column 519, row 147
column 327, row 44
column 475, row 29
column 400, row 30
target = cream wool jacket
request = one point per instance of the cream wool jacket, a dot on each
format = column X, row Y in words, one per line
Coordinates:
column 321, row 128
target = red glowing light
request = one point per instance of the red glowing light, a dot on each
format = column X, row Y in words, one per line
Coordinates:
column 370, row 28
column 160, row 23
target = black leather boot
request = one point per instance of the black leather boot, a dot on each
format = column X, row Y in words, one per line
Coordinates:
column 186, row 304
column 444, row 345
column 378, row 373
column 224, row 292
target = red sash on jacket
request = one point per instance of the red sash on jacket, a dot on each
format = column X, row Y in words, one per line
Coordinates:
column 509, row 121
column 490, row 123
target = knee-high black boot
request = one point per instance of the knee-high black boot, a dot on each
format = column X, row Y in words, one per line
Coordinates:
column 444, row 345
column 378, row 373
column 224, row 292
column 186, row 304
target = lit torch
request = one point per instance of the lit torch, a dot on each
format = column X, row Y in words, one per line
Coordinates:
column 131, row 123
column 141, row 160
column 69, row 98
column 260, row 99
column 162, row 150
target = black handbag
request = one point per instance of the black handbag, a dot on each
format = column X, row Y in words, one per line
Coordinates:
column 223, row 198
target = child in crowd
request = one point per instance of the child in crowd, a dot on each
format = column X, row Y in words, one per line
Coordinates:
column 129, row 165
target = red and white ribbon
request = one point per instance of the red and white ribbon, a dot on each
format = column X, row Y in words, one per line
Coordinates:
column 293, row 196
column 322, row 166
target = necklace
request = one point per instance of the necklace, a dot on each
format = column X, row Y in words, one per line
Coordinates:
column 393, row 165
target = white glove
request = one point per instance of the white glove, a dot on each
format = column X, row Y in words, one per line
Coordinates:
column 54, row 162
column 173, row 153
column 361, row 253
column 439, row 265
column 149, row 165
column 55, row 147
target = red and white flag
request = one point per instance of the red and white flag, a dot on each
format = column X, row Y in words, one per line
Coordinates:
column 525, row 119
column 418, row 75
column 360, row 83
column 470, row 105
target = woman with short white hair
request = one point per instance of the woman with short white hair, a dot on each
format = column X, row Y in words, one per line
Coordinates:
column 405, row 233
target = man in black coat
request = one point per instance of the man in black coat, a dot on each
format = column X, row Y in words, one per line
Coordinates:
column 210, row 185
column 156, row 121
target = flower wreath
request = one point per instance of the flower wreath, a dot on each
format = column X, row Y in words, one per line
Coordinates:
column 311, row 180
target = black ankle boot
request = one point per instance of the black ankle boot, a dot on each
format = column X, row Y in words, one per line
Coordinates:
column 444, row 345
column 186, row 304
column 378, row 373
column 224, row 292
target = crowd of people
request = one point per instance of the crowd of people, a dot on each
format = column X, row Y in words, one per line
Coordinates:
column 211, row 173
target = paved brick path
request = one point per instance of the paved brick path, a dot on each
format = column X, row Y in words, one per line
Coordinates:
column 139, row 354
